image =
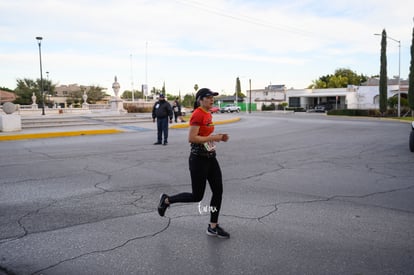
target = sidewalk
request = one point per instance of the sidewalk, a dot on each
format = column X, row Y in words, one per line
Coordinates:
column 100, row 126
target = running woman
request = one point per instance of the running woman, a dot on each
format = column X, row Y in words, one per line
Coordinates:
column 203, row 163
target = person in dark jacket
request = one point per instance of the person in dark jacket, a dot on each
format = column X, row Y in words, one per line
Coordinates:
column 177, row 111
column 162, row 111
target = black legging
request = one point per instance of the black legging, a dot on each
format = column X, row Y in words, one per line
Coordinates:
column 203, row 169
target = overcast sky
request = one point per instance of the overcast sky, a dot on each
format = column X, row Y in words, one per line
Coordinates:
column 209, row 43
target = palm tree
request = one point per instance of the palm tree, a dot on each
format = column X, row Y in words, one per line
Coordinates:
column 383, row 75
column 411, row 79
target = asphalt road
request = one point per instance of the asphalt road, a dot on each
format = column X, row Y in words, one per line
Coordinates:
column 303, row 194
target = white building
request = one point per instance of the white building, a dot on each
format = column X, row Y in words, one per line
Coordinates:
column 275, row 94
column 353, row 97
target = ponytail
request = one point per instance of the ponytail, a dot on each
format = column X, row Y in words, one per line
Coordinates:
column 196, row 103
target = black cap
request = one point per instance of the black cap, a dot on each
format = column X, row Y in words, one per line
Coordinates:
column 203, row 92
column 161, row 96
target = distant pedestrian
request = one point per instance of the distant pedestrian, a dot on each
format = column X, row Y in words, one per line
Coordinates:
column 203, row 164
column 177, row 111
column 162, row 112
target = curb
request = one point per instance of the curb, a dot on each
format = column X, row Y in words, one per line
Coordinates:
column 93, row 132
column 60, row 134
column 186, row 125
column 372, row 118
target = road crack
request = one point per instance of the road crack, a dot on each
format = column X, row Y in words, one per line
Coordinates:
column 151, row 235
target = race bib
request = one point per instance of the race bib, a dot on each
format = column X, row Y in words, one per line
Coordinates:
column 210, row 146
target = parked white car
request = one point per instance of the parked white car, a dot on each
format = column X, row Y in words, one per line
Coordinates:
column 230, row 108
column 185, row 111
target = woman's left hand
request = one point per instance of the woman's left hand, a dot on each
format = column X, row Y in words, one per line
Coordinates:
column 224, row 137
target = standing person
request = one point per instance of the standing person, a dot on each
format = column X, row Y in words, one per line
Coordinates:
column 177, row 111
column 162, row 111
column 203, row 163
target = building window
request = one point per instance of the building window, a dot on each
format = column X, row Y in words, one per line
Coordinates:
column 294, row 101
column 331, row 100
column 376, row 99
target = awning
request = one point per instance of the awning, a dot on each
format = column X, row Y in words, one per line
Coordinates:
column 320, row 94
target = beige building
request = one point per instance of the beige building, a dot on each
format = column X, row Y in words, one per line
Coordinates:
column 275, row 94
column 66, row 90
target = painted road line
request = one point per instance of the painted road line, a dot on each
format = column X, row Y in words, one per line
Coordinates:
column 135, row 128
column 60, row 134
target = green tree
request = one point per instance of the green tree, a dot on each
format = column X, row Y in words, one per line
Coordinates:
column 352, row 77
column 75, row 98
column 95, row 94
column 411, row 79
column 48, row 86
column 26, row 87
column 6, row 89
column 318, row 84
column 238, row 89
column 393, row 102
column 188, row 100
column 163, row 89
column 24, row 91
column 128, row 94
column 155, row 91
column 340, row 79
column 383, row 74
column 170, row 97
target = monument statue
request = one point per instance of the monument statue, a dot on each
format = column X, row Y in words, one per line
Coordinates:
column 115, row 87
column 34, row 105
column 85, row 97
column 117, row 104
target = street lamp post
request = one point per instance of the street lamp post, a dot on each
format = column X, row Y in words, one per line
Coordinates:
column 48, row 90
column 399, row 70
column 39, row 42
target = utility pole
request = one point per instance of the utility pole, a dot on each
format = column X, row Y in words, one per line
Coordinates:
column 39, row 41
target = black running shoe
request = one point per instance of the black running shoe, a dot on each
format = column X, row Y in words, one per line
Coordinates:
column 217, row 232
column 162, row 206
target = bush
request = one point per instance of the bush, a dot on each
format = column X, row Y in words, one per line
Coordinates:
column 136, row 109
column 280, row 107
column 358, row 112
column 270, row 107
column 296, row 109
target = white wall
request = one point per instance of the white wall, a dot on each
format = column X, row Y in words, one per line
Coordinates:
column 366, row 97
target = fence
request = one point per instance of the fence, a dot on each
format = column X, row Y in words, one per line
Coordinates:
column 90, row 108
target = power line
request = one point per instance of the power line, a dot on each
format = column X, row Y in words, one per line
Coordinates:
column 245, row 18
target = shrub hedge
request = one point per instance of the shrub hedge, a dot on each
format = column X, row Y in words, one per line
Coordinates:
column 136, row 109
column 357, row 112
